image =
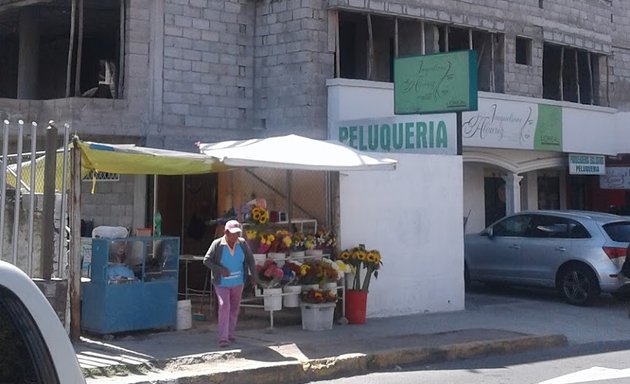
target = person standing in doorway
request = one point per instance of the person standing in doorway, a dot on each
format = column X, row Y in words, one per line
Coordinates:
column 232, row 262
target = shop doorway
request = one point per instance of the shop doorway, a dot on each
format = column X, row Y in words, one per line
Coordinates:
column 578, row 192
column 494, row 198
column 548, row 192
column 188, row 205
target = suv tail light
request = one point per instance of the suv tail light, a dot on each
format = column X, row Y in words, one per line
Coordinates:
column 614, row 252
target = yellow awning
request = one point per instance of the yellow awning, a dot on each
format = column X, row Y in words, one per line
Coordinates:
column 131, row 159
column 118, row 158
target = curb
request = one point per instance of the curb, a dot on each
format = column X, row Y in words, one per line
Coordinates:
column 358, row 364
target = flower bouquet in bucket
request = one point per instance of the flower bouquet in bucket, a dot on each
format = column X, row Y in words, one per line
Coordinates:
column 365, row 264
column 270, row 279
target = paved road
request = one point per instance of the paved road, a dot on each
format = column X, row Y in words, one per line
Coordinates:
column 588, row 363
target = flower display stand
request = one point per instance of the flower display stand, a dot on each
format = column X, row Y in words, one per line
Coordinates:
column 272, row 299
column 355, row 304
column 291, row 298
column 317, row 317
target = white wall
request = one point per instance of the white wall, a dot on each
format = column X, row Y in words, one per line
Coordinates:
column 413, row 215
column 590, row 129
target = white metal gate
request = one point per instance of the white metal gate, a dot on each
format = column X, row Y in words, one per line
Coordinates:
column 33, row 218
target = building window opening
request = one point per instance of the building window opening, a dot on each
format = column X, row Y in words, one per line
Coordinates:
column 523, row 51
column 571, row 74
column 34, row 46
column 372, row 59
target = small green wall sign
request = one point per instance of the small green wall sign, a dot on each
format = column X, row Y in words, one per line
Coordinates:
column 441, row 82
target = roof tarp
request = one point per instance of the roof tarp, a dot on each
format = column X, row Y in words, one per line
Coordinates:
column 118, row 158
column 293, row 152
column 131, row 159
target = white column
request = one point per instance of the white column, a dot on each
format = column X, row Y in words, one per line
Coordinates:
column 512, row 193
column 531, row 194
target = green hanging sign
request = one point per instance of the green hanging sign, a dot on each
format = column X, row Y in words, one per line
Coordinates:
column 442, row 82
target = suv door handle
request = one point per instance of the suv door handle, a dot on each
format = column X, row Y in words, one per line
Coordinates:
column 514, row 246
column 561, row 249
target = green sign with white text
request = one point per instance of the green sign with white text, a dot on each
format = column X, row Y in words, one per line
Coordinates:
column 442, row 82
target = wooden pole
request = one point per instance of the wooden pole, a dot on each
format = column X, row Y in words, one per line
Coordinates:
column 492, row 81
column 121, row 57
column 70, row 48
column 446, row 30
column 607, row 83
column 423, row 44
column 590, row 77
column 77, row 78
column 74, row 259
column 370, row 48
column 561, row 73
column 337, row 48
column 577, row 74
column 395, row 37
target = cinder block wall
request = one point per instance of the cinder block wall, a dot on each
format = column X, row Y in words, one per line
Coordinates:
column 111, row 204
column 293, row 59
column 581, row 24
column 208, row 70
column 620, row 61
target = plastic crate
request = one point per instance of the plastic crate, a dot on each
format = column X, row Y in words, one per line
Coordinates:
column 317, row 317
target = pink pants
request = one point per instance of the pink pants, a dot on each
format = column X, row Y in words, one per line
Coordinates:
column 229, row 306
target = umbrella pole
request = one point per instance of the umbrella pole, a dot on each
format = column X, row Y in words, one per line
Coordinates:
column 290, row 197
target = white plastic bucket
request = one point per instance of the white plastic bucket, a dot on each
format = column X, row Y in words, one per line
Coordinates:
column 291, row 298
column 260, row 258
column 314, row 254
column 278, row 257
column 297, row 256
column 184, row 315
column 273, row 299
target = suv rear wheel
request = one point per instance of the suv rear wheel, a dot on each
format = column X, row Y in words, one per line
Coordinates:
column 577, row 284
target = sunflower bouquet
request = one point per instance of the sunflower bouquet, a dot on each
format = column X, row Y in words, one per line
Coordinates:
column 359, row 258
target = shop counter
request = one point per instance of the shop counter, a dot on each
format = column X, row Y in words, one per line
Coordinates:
column 132, row 285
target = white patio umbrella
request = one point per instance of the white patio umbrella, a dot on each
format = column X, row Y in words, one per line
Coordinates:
column 293, row 152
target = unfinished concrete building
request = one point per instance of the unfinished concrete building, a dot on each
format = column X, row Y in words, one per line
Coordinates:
column 167, row 73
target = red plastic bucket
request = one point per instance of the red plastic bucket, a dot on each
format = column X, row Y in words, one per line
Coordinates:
column 355, row 302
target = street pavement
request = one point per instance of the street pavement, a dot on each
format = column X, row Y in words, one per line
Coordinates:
column 491, row 324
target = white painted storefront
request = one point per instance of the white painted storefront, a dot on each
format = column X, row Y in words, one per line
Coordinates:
column 415, row 215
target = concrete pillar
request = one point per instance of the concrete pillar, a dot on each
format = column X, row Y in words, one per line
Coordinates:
column 512, row 193
column 28, row 64
column 531, row 194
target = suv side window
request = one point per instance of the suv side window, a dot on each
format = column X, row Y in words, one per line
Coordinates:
column 512, row 226
column 544, row 226
column 24, row 357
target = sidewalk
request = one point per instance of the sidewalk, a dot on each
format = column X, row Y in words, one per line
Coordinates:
column 490, row 324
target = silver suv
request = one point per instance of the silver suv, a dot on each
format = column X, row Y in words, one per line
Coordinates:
column 579, row 253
